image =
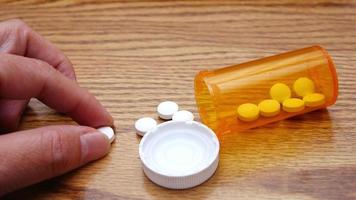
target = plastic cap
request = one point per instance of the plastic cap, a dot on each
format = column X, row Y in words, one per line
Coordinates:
column 179, row 154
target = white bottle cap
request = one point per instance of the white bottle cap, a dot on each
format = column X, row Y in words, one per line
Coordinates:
column 166, row 109
column 179, row 154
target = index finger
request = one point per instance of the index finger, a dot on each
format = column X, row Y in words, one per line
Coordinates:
column 18, row 38
column 24, row 78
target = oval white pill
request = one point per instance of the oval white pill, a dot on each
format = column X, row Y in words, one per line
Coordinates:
column 145, row 124
column 108, row 132
column 183, row 115
column 166, row 109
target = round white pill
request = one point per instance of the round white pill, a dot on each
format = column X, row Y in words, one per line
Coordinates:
column 166, row 109
column 183, row 115
column 144, row 124
column 108, row 132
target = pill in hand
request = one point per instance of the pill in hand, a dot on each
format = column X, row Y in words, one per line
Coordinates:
column 144, row 124
column 108, row 132
column 166, row 109
column 183, row 115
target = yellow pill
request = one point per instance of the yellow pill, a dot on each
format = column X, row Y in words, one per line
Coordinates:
column 313, row 100
column 303, row 86
column 248, row 112
column 293, row 105
column 280, row 92
column 269, row 107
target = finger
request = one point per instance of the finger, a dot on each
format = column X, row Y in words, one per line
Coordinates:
column 10, row 113
column 31, row 156
column 18, row 38
column 24, row 78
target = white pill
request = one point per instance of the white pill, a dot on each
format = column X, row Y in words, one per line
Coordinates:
column 144, row 124
column 108, row 132
column 183, row 115
column 166, row 109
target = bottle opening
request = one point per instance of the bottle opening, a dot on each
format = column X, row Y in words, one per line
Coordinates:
column 204, row 96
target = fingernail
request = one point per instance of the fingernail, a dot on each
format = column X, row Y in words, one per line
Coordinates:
column 94, row 145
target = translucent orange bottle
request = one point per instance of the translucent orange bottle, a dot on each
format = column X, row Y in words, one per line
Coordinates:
column 219, row 92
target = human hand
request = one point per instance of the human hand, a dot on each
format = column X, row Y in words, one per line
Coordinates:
column 31, row 67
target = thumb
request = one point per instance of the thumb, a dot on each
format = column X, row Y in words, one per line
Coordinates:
column 31, row 156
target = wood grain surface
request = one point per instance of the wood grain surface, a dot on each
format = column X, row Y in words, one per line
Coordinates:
column 133, row 55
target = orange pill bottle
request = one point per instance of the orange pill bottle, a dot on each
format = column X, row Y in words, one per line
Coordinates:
column 219, row 92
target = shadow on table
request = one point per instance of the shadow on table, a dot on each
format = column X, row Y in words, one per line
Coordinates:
column 289, row 157
column 329, row 183
column 57, row 188
column 276, row 144
column 199, row 192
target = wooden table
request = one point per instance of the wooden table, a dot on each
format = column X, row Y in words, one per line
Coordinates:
column 133, row 55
